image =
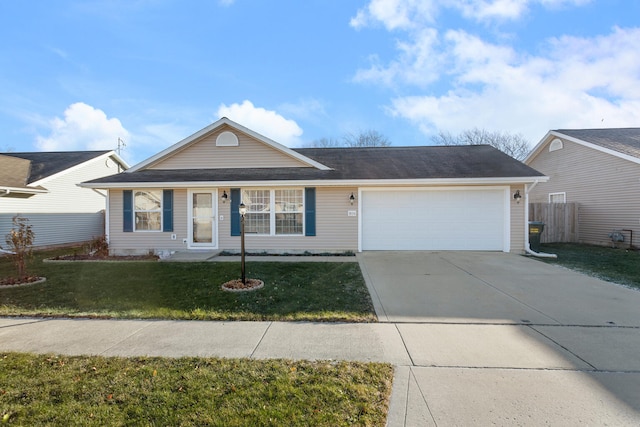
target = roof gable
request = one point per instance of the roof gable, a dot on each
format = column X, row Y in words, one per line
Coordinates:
column 620, row 142
column 205, row 150
column 46, row 164
column 14, row 171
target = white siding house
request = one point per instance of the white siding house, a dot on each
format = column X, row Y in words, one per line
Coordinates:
column 59, row 211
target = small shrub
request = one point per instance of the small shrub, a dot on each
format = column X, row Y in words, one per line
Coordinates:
column 20, row 240
column 98, row 246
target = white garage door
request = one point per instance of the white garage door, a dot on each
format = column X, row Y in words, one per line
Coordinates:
column 466, row 219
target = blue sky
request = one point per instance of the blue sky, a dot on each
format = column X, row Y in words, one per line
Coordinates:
column 79, row 74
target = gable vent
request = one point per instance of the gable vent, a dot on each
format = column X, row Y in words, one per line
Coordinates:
column 227, row 139
column 556, row 144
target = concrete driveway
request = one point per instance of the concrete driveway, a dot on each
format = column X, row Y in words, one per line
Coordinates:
column 491, row 287
column 501, row 339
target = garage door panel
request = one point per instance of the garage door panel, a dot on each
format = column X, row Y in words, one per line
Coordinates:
column 433, row 220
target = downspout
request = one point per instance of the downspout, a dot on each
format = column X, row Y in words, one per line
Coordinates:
column 6, row 192
column 527, row 244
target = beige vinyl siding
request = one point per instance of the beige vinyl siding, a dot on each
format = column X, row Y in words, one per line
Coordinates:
column 146, row 241
column 250, row 153
column 606, row 187
column 518, row 226
column 335, row 230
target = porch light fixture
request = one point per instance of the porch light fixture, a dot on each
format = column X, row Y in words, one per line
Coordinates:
column 517, row 197
column 224, row 196
column 352, row 198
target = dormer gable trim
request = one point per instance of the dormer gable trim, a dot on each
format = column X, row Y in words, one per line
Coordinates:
column 212, row 127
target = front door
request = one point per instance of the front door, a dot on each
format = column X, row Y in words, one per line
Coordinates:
column 203, row 208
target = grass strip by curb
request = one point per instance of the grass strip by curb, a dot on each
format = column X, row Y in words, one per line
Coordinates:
column 38, row 390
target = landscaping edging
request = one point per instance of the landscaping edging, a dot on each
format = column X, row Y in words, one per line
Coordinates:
column 19, row 285
column 53, row 260
column 257, row 284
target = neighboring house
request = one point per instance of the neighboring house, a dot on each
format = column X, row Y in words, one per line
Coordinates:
column 316, row 199
column 43, row 187
column 600, row 170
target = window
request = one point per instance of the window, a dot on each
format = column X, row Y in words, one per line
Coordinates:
column 289, row 211
column 147, row 205
column 258, row 203
column 557, row 197
column 274, row 212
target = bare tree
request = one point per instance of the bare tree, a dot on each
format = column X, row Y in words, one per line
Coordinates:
column 515, row 145
column 325, row 143
column 367, row 138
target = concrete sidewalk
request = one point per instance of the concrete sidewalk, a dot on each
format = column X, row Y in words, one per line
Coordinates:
column 446, row 374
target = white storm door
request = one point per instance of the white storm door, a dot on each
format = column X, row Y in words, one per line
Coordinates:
column 203, row 209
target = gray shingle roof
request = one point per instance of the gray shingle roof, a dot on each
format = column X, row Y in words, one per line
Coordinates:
column 622, row 140
column 44, row 164
column 393, row 163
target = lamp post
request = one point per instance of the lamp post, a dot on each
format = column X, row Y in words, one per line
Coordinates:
column 243, row 211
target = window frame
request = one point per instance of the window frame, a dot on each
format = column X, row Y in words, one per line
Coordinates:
column 559, row 193
column 272, row 210
column 135, row 211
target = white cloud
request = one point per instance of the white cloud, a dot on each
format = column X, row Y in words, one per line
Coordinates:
column 265, row 122
column 395, row 14
column 410, row 14
column 580, row 82
column 418, row 62
column 83, row 128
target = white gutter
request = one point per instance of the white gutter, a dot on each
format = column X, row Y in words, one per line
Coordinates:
column 320, row 183
column 527, row 244
column 22, row 190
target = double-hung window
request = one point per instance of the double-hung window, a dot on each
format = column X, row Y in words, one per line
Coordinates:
column 147, row 205
column 274, row 212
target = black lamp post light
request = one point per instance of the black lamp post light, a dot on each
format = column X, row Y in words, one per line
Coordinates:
column 243, row 284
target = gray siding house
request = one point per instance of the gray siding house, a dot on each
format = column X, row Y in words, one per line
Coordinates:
column 600, row 170
column 186, row 197
column 43, row 187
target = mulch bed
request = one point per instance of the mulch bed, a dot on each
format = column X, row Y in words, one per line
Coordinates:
column 238, row 286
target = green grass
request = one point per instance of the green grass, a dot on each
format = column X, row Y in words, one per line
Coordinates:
column 614, row 265
column 38, row 390
column 292, row 291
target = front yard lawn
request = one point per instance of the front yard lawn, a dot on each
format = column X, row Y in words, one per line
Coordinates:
column 39, row 390
column 292, row 291
column 614, row 265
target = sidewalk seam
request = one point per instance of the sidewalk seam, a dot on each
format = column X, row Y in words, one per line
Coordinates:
column 149, row 323
column 264, row 334
column 563, row 347
column 405, row 345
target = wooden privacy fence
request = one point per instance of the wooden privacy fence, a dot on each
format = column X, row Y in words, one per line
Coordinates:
column 560, row 221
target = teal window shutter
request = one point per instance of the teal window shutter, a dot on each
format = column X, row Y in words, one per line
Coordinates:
column 167, row 210
column 310, row 211
column 127, row 210
column 235, row 213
